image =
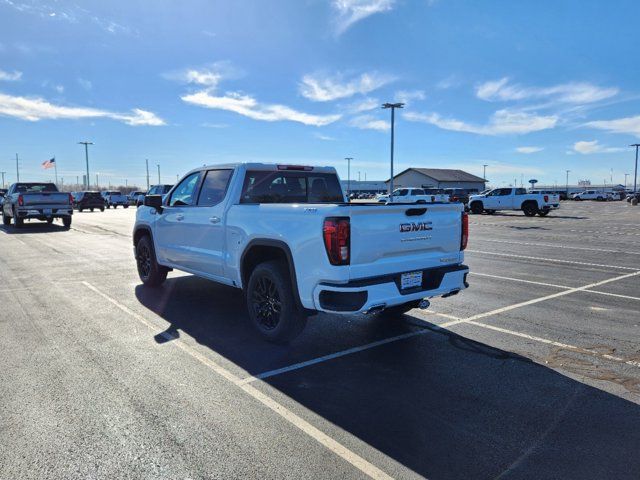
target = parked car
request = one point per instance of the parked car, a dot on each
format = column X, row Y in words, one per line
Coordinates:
column 514, row 199
column 633, row 198
column 3, row 192
column 598, row 195
column 413, row 195
column 161, row 189
column 88, row 201
column 114, row 198
column 133, row 197
column 460, row 194
column 241, row 225
column 36, row 201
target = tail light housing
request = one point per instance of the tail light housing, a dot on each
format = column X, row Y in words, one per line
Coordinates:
column 20, row 200
column 70, row 199
column 464, row 235
column 546, row 198
column 336, row 232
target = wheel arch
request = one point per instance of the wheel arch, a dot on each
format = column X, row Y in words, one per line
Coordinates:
column 140, row 232
column 264, row 249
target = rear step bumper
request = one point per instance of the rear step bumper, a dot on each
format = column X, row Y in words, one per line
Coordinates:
column 358, row 296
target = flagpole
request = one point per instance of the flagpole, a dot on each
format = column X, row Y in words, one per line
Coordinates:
column 55, row 166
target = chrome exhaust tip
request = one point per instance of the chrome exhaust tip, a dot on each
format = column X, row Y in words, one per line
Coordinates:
column 424, row 304
column 375, row 309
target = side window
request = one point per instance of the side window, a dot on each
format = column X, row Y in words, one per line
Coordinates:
column 418, row 191
column 522, row 191
column 184, row 194
column 214, row 187
column 403, row 192
column 504, row 192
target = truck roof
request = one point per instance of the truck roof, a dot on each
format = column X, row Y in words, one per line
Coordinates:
column 266, row 166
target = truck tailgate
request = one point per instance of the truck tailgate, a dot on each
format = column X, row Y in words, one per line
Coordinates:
column 45, row 198
column 401, row 238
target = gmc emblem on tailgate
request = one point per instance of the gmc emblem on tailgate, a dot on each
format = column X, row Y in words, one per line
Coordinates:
column 415, row 227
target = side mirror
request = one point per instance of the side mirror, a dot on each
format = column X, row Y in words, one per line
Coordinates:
column 154, row 201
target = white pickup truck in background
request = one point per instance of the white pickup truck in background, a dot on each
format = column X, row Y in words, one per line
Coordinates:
column 413, row 195
column 285, row 235
column 513, row 199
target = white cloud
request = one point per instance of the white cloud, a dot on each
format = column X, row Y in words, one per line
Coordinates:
column 34, row 109
column 369, row 122
column 326, row 138
column 502, row 122
column 629, row 125
column 449, row 82
column 408, row 96
column 352, row 11
column 249, row 107
column 59, row 88
column 363, row 105
column 587, row 148
column 578, row 92
column 84, row 83
column 10, row 76
column 206, row 76
column 323, row 88
column 529, row 149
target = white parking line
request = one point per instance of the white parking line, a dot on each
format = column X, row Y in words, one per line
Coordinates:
column 552, row 260
column 569, row 247
column 538, row 300
column 567, row 346
column 511, row 279
column 319, row 436
column 613, row 294
column 331, row 356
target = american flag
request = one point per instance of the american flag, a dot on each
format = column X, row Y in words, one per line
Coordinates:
column 49, row 163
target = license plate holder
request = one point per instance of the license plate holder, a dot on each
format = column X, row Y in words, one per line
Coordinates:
column 410, row 280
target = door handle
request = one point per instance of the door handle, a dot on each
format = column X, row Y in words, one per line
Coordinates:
column 179, row 217
column 214, row 219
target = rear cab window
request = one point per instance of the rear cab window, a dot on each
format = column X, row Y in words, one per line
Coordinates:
column 290, row 187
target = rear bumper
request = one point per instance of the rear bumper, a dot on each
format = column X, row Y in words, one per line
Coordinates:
column 362, row 295
column 44, row 213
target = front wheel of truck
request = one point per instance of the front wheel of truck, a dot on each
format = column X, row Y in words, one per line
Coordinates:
column 150, row 271
column 271, row 303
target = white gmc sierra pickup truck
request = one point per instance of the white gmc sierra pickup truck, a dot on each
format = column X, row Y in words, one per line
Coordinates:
column 514, row 199
column 285, row 235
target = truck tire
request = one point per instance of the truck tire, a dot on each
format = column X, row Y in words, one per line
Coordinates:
column 401, row 309
column 49, row 221
column 102, row 209
column 544, row 212
column 150, row 272
column 490, row 212
column 17, row 221
column 107, row 205
column 66, row 222
column 577, row 199
column 270, row 299
column 530, row 209
column 6, row 220
column 476, row 208
column 126, row 206
column 599, row 199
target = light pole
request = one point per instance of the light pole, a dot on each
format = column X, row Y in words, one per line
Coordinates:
column 158, row 165
column 3, row 178
column 625, row 180
column 393, row 107
column 635, row 175
column 146, row 160
column 348, row 159
column 568, row 183
column 17, row 169
column 86, row 157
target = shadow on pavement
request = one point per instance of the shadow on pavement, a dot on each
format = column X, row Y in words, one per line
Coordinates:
column 442, row 405
column 34, row 227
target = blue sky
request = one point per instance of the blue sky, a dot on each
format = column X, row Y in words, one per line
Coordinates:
column 529, row 88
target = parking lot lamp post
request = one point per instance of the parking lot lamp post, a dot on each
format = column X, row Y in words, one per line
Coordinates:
column 86, row 158
column 393, row 107
column 635, row 175
column 568, row 183
column 3, row 178
column 158, row 165
column 625, row 180
column 348, row 159
column 147, row 162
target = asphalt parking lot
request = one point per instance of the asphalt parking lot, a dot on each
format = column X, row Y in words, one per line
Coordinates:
column 533, row 372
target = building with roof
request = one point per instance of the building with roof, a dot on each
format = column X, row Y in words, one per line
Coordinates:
column 437, row 178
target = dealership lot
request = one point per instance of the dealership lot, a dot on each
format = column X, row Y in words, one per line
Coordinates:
column 533, row 372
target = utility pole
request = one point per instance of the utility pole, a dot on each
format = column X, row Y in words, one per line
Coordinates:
column 3, row 178
column 393, row 107
column 86, row 157
column 77, row 181
column 625, row 180
column 97, row 183
column 147, row 162
column 158, row 165
column 635, row 175
column 568, row 183
column 348, row 159
column 17, row 169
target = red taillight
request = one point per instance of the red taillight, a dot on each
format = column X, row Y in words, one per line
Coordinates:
column 70, row 199
column 546, row 198
column 20, row 200
column 464, row 236
column 336, row 234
